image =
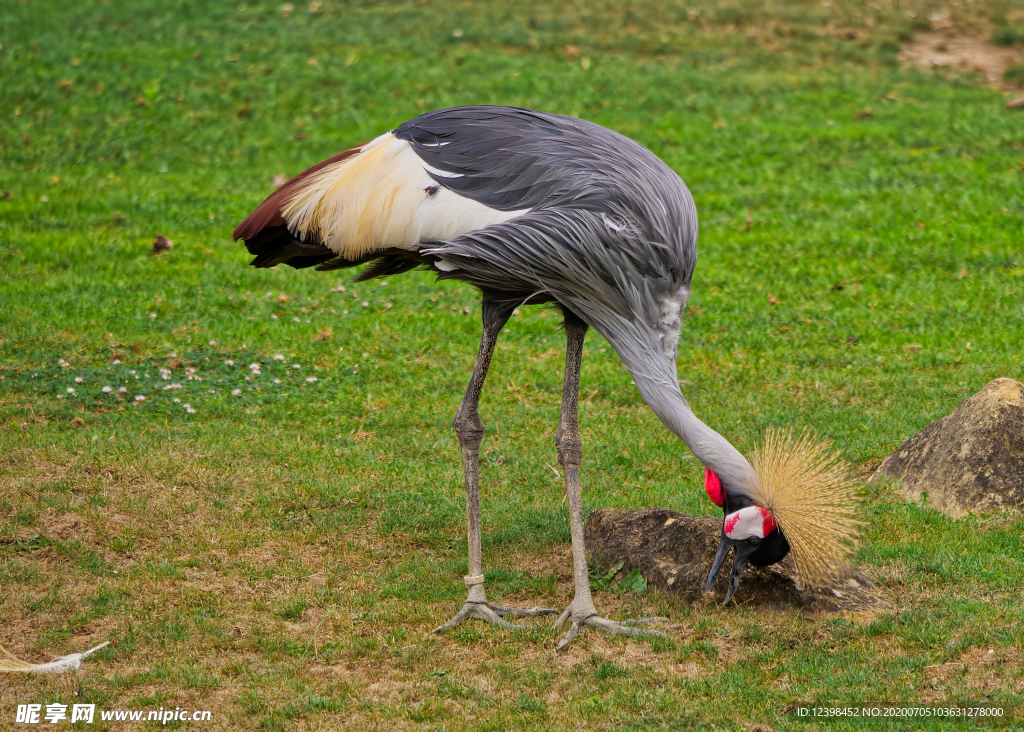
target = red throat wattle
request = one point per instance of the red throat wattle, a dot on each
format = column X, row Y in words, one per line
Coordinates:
column 713, row 485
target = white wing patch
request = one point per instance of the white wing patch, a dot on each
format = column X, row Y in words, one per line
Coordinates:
column 382, row 197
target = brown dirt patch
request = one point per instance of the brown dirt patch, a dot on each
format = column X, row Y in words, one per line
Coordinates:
column 963, row 53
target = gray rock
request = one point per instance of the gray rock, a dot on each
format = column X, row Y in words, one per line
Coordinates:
column 674, row 553
column 972, row 460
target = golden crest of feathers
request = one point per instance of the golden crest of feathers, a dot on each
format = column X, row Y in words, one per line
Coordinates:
column 813, row 498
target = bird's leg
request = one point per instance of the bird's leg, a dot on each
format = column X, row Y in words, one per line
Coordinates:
column 470, row 430
column 581, row 610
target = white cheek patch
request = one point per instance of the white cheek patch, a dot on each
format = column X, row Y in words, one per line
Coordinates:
column 749, row 521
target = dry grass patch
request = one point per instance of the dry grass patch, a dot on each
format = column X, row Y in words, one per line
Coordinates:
column 963, row 53
column 216, row 608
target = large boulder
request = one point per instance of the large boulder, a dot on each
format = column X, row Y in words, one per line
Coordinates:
column 972, row 460
column 674, row 553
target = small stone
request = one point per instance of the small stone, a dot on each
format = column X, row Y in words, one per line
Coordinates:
column 161, row 245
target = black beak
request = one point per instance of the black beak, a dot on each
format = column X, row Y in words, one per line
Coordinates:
column 741, row 555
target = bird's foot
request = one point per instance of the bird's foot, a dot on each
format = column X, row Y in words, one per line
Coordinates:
column 587, row 617
column 477, row 606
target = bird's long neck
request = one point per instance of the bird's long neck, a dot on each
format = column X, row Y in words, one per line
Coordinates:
column 716, row 452
column 655, row 376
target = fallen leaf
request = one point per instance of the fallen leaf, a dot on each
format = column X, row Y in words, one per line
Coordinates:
column 66, row 82
column 233, row 59
column 913, row 347
column 323, row 335
column 963, row 273
column 772, row 300
column 315, row 7
column 286, row 10
column 1015, row 104
column 866, row 112
column 78, row 422
column 244, row 111
column 279, row 180
column 572, row 52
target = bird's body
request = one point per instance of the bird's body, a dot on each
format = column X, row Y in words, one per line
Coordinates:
column 530, row 208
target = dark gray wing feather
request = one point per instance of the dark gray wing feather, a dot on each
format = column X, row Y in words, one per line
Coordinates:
column 609, row 231
column 514, row 159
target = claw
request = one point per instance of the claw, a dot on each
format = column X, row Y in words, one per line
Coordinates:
column 568, row 638
column 490, row 613
column 610, row 626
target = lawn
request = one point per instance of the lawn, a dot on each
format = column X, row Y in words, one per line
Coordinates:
column 264, row 513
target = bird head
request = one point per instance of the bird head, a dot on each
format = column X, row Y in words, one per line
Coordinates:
column 803, row 500
column 748, row 529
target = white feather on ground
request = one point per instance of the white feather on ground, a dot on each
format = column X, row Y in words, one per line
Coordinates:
column 58, row 665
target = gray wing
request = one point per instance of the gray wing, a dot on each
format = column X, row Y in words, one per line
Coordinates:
column 609, row 230
column 514, row 159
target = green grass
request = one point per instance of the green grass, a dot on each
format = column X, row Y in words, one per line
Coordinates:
column 279, row 555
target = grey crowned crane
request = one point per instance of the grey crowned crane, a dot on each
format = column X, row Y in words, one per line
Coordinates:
column 535, row 208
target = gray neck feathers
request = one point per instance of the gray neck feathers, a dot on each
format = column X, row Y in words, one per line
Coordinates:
column 710, row 447
column 655, row 378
